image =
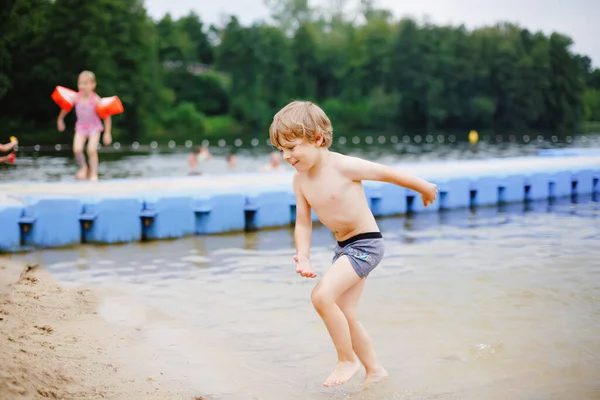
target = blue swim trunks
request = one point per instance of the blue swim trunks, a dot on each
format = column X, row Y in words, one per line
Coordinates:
column 365, row 251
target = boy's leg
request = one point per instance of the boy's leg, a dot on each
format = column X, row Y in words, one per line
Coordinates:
column 340, row 277
column 78, row 143
column 92, row 152
column 361, row 342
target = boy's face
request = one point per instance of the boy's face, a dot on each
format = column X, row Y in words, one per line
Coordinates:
column 86, row 84
column 300, row 154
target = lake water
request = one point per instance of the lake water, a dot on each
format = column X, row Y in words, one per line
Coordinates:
column 496, row 303
column 49, row 164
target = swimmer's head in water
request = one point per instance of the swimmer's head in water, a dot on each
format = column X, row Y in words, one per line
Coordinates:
column 275, row 158
column 86, row 83
column 231, row 159
column 301, row 120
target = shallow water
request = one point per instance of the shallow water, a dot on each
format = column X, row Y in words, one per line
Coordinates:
column 52, row 165
column 469, row 304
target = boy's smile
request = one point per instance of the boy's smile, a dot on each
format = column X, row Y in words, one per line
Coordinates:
column 300, row 154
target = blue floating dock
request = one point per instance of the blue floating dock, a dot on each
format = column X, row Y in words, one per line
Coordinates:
column 42, row 215
column 50, row 221
column 10, row 233
column 571, row 152
column 219, row 212
column 111, row 219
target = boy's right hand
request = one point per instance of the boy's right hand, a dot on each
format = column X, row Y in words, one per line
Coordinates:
column 429, row 194
column 303, row 267
column 60, row 125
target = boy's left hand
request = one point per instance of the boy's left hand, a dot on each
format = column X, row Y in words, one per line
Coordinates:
column 303, row 267
column 107, row 138
column 429, row 194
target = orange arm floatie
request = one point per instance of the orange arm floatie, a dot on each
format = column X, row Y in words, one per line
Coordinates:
column 108, row 106
column 65, row 99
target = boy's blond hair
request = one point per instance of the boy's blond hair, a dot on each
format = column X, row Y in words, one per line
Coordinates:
column 301, row 120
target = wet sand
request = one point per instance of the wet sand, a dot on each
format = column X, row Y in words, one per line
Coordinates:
column 54, row 345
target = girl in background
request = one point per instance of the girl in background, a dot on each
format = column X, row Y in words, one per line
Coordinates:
column 88, row 126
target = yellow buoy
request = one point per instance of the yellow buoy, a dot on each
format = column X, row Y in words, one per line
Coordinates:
column 473, row 137
column 12, row 138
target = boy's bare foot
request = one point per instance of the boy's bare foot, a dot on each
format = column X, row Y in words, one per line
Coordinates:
column 375, row 377
column 93, row 178
column 342, row 373
column 81, row 173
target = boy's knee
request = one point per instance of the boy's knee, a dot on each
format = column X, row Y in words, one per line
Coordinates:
column 320, row 299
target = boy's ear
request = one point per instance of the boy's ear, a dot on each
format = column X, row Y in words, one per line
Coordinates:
column 319, row 140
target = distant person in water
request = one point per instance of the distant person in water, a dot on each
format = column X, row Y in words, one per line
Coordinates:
column 232, row 160
column 200, row 154
column 6, row 148
column 275, row 164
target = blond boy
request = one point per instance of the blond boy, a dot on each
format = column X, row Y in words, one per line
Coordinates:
column 330, row 184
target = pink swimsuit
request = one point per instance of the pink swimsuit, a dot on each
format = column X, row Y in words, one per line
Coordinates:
column 88, row 122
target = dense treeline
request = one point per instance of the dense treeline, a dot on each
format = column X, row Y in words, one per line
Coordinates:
column 182, row 79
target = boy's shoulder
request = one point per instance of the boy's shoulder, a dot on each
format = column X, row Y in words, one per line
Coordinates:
column 345, row 163
column 338, row 160
column 343, row 157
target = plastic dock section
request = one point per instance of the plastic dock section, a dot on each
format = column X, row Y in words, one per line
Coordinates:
column 46, row 215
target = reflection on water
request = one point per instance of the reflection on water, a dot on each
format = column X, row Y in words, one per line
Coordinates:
column 60, row 165
column 472, row 304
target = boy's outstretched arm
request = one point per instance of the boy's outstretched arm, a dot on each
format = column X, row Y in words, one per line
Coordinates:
column 362, row 170
column 302, row 233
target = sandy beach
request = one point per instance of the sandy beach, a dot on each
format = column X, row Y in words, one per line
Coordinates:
column 497, row 304
column 53, row 344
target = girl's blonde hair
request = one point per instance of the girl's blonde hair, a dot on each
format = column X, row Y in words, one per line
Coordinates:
column 87, row 74
column 301, row 120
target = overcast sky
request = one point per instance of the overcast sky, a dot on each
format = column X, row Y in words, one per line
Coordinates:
column 576, row 18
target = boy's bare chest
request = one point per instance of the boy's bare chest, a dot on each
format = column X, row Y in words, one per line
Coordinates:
column 326, row 192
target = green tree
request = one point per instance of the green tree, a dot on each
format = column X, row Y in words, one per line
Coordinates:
column 369, row 71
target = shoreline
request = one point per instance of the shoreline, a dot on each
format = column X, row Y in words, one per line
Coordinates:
column 54, row 344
